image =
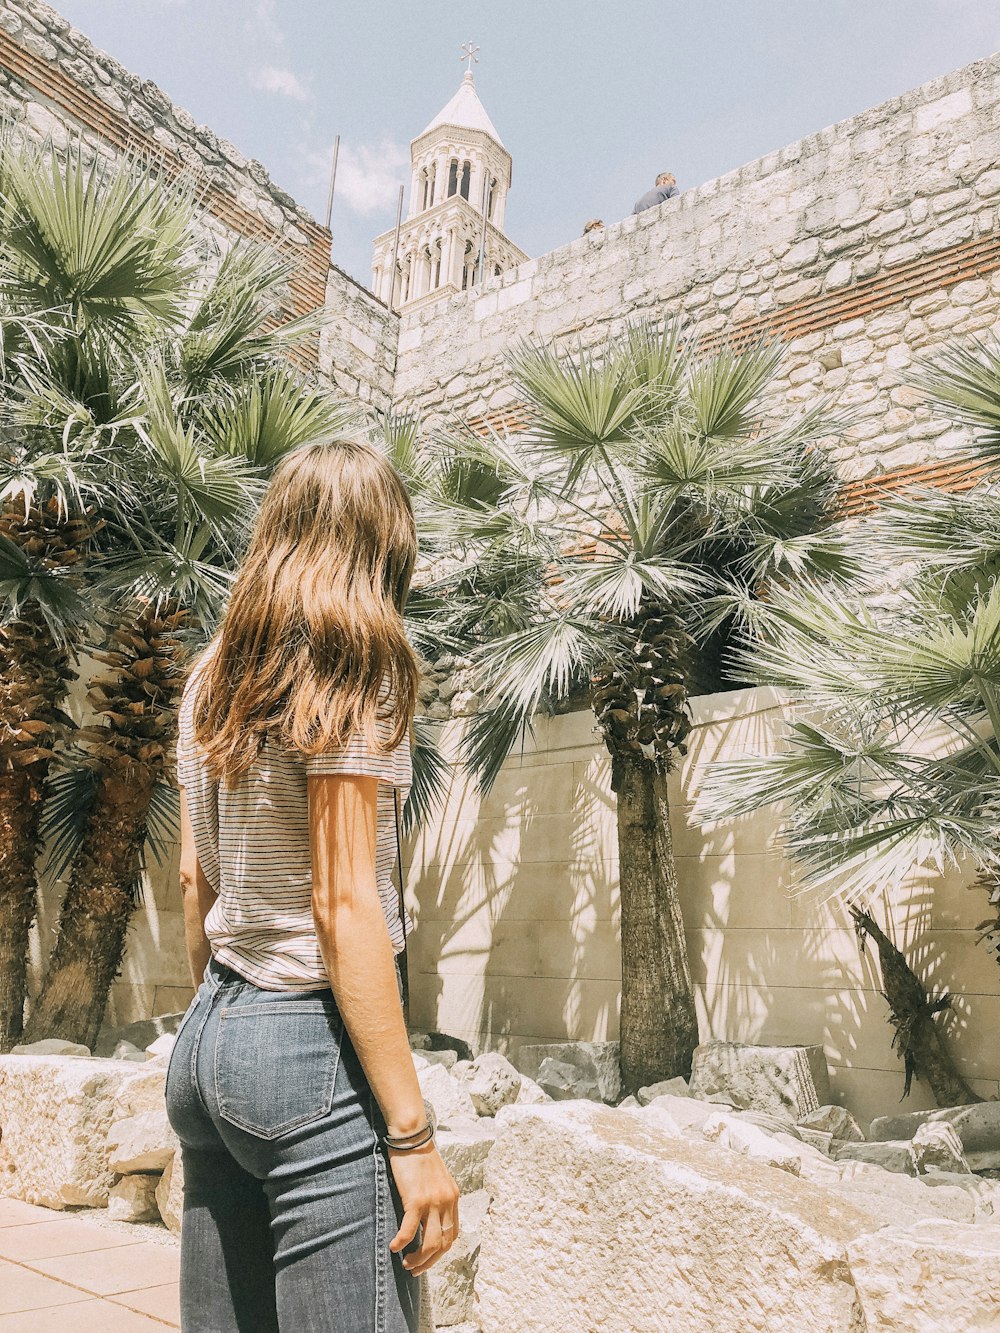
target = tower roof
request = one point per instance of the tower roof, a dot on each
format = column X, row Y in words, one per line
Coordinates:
column 466, row 111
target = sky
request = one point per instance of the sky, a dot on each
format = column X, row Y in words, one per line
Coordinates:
column 591, row 97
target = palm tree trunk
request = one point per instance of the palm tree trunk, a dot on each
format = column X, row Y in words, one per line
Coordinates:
column 918, row 1038
column 659, row 1026
column 130, row 751
column 95, row 916
column 20, row 811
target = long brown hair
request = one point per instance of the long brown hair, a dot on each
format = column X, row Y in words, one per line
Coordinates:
column 312, row 644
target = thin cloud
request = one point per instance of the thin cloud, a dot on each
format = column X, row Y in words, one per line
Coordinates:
column 368, row 175
column 262, row 24
column 282, row 81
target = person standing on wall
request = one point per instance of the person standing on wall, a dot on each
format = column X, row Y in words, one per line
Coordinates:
column 664, row 189
column 314, row 1193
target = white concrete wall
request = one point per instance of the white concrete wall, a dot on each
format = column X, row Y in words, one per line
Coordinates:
column 517, row 932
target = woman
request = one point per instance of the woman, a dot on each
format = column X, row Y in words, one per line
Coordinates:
column 314, row 1195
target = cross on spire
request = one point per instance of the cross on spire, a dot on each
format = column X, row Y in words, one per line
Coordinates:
column 470, row 53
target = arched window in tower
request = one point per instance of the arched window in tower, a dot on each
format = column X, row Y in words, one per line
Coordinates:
column 467, row 265
column 423, row 189
column 431, row 181
column 436, row 266
column 466, row 178
column 452, row 177
column 491, row 197
column 496, row 270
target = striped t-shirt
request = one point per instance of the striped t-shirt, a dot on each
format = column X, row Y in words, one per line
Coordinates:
column 252, row 842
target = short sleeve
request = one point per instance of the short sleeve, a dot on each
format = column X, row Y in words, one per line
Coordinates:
column 358, row 758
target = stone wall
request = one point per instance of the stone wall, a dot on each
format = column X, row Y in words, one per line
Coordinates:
column 516, row 937
column 864, row 247
column 54, row 80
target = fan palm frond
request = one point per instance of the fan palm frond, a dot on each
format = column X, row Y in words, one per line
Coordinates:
column 106, row 239
column 274, row 413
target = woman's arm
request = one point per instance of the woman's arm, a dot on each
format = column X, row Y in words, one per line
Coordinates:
column 357, row 952
column 197, row 895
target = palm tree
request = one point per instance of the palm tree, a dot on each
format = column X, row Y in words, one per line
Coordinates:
column 644, row 499
column 144, row 403
column 895, row 764
column 66, row 299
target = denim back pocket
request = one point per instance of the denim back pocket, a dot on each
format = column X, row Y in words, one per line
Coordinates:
column 276, row 1064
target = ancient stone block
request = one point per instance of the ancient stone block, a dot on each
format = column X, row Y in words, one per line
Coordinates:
column 936, row 1146
column 142, row 1091
column 596, row 1063
column 464, row 1150
column 890, row 1156
column 762, row 1078
column 448, row 1096
column 835, row 1120
column 614, row 1201
column 453, row 1277
column 54, row 1117
column 978, row 1126
column 51, row 1046
column 170, row 1193
column 492, row 1082
column 143, row 1142
column 667, row 1087
column 930, row 1277
column 133, row 1199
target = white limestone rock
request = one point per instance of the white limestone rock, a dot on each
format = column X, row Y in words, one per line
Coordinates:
column 771, row 1122
column 143, row 1091
column 133, row 1199
column 448, row 1096
column 599, row 1220
column 667, row 1087
column 894, row 1199
column 978, row 1125
column 452, row 1279
column 794, row 1079
column 170, row 1194
column 564, row 1082
column 689, row 1113
column 816, row 1138
column 465, row 1149
column 143, row 1142
column 835, row 1120
column 55, row 1112
column 889, row 1156
column 126, row 1051
column 936, row 1146
column 934, row 1277
column 51, row 1046
column 749, row 1140
column 163, row 1045
column 446, row 1058
column 530, row 1093
column 138, row 1035
column 492, row 1082
column 596, row 1063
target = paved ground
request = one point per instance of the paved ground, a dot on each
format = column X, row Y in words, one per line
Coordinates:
column 81, row 1272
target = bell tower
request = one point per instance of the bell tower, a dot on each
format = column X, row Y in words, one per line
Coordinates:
column 460, row 175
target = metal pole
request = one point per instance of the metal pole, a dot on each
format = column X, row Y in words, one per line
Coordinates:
column 395, row 253
column 333, row 179
column 482, row 238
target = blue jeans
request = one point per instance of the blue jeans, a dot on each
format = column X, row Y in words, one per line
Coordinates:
column 289, row 1202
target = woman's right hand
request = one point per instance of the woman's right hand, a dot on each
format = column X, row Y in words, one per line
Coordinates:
column 430, row 1200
